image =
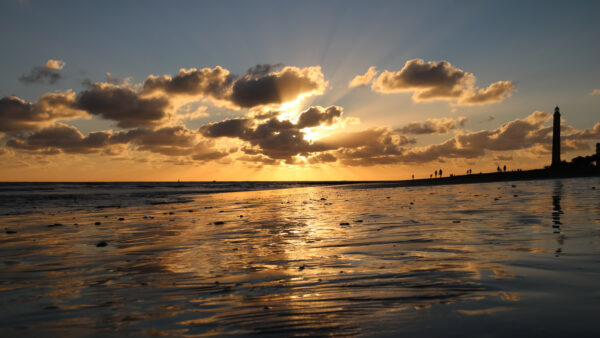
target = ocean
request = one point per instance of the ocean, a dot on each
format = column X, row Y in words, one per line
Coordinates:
column 286, row 259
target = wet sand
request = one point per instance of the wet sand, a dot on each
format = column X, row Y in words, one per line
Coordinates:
column 495, row 259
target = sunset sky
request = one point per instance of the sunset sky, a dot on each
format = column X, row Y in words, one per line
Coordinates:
column 292, row 90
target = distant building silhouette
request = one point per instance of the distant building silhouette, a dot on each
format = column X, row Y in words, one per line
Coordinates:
column 556, row 139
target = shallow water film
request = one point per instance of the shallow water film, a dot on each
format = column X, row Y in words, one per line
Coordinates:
column 495, row 260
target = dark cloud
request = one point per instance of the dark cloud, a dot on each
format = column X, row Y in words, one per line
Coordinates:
column 316, row 116
column 430, row 79
column 514, row 135
column 439, row 80
column 204, row 152
column 42, row 74
column 284, row 140
column 16, row 115
column 276, row 88
column 262, row 85
column 62, row 137
column 430, row 126
column 368, row 147
column 275, row 139
column 169, row 141
column 263, row 70
column 322, row 158
column 236, row 128
column 494, row 93
column 210, row 82
column 123, row 105
column 259, row 114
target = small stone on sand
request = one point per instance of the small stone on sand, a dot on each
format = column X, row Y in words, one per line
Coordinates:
column 54, row 225
column 101, row 244
column 344, row 223
column 358, row 221
column 10, row 232
column 121, row 219
column 219, row 223
column 97, row 223
column 455, row 221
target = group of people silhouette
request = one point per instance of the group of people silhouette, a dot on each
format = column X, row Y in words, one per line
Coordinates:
column 439, row 173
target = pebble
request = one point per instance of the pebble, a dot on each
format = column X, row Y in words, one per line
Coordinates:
column 97, row 223
column 101, row 244
column 358, row 221
column 54, row 225
column 455, row 221
column 344, row 223
column 121, row 219
column 219, row 223
column 10, row 232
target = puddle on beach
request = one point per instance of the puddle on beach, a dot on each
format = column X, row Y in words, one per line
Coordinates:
column 496, row 259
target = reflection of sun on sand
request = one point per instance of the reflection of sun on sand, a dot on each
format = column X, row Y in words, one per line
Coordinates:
column 316, row 260
column 289, row 254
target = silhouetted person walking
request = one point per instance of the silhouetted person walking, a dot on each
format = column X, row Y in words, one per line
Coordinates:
column 436, row 174
column 505, row 168
column 440, row 173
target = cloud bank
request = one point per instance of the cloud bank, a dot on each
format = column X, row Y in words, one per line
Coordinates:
column 435, row 80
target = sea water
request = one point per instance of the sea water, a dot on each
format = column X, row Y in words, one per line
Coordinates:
column 493, row 259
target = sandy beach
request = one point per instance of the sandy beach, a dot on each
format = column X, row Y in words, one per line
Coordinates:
column 491, row 259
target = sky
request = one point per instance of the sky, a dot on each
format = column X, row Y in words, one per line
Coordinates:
column 292, row 90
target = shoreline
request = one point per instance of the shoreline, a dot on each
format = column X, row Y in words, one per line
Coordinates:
column 523, row 175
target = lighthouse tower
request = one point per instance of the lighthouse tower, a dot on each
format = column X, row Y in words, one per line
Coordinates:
column 556, row 139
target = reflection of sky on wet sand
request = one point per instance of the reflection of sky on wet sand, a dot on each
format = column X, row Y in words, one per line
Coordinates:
column 490, row 259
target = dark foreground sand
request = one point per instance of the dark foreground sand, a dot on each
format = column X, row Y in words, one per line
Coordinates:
column 496, row 259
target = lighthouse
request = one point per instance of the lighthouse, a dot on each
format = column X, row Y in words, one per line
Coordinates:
column 556, row 139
